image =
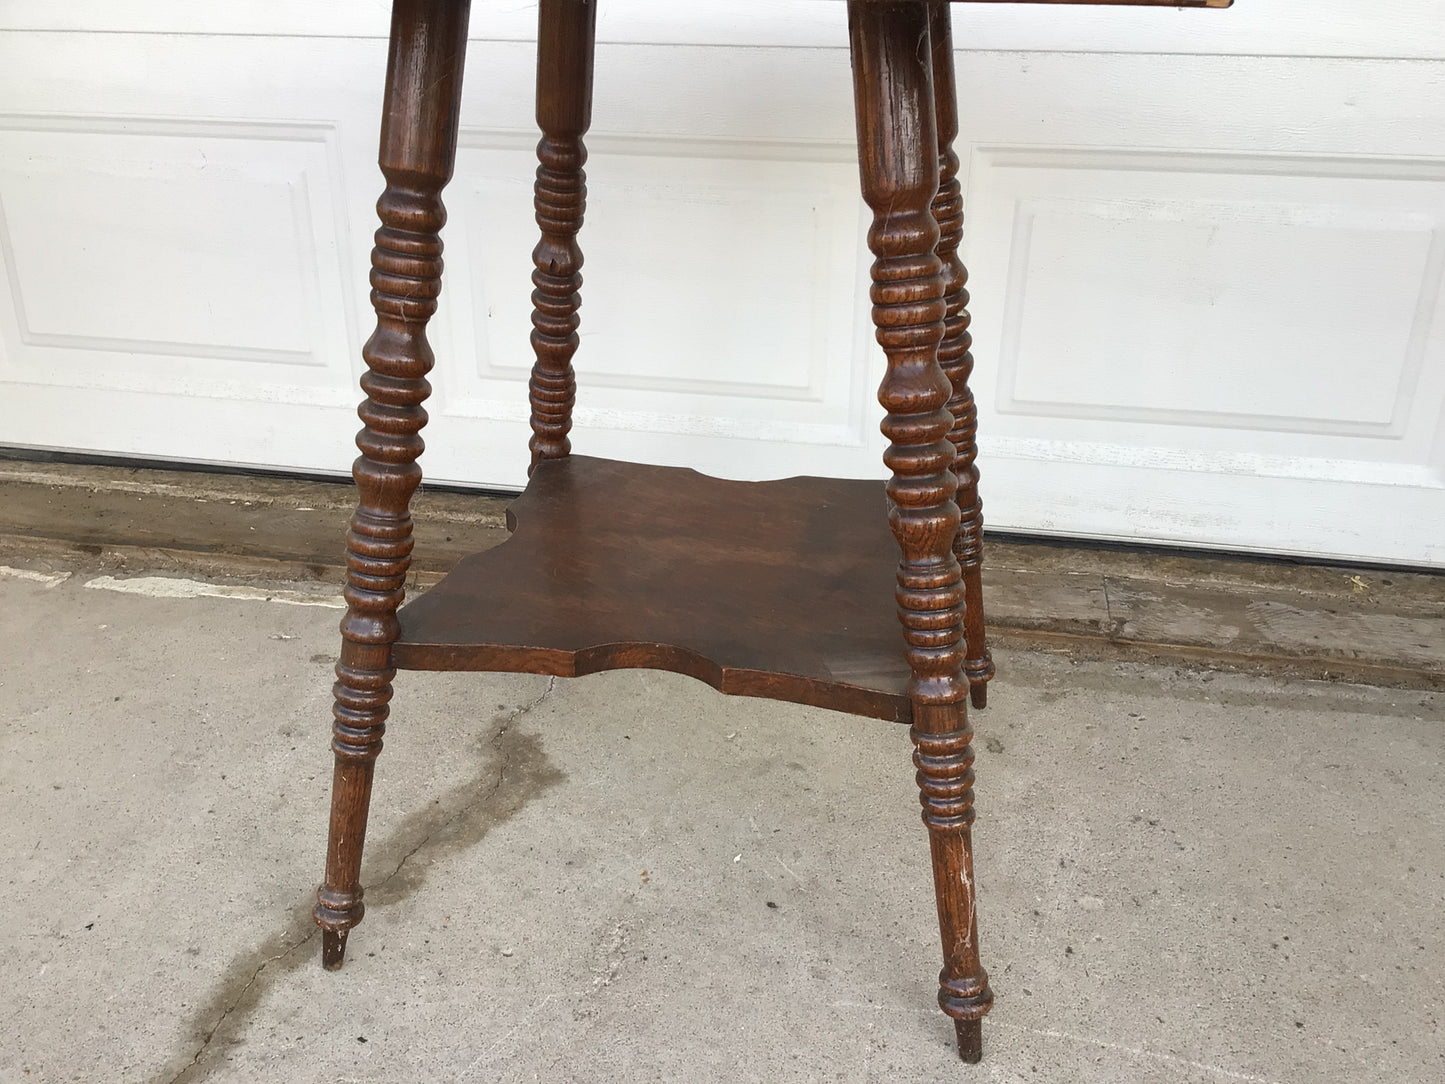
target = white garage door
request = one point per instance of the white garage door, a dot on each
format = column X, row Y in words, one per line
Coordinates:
column 1207, row 252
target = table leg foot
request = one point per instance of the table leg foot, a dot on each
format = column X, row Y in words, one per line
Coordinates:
column 333, row 949
column 970, row 1040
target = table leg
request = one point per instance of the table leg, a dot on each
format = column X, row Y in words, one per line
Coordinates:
column 954, row 355
column 898, row 160
column 565, row 46
column 418, row 148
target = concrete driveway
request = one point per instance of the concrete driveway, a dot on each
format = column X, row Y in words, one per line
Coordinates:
column 1184, row 876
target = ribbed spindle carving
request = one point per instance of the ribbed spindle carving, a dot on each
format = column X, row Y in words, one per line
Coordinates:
column 405, row 280
column 899, row 183
column 954, row 354
column 561, row 197
column 908, row 311
column 417, row 149
column 945, row 777
column 899, row 160
column 564, row 112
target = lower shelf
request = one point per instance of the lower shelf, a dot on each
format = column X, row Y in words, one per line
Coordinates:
column 780, row 589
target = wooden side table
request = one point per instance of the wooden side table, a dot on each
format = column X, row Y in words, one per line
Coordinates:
column 778, row 589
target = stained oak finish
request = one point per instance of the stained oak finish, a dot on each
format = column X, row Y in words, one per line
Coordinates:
column 1115, row 3
column 795, row 589
column 778, row 589
column 954, row 354
column 1091, row 3
column 418, row 148
column 898, row 159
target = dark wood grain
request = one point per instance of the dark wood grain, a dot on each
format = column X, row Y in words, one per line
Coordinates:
column 955, row 356
column 418, row 147
column 1091, row 3
column 1115, row 3
column 565, row 44
column 898, row 161
column 780, row 589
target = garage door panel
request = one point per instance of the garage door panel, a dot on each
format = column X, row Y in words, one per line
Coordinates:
column 1194, row 322
column 220, row 271
column 1206, row 286
column 1128, row 288
column 691, row 248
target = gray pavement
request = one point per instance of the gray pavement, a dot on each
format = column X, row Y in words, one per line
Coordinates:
column 1185, row 876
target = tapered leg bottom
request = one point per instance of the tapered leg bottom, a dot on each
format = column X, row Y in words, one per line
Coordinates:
column 333, row 951
column 944, row 759
column 970, row 1040
column 336, row 913
column 339, row 903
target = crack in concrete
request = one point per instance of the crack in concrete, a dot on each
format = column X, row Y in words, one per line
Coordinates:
column 240, row 997
column 504, row 756
column 467, row 824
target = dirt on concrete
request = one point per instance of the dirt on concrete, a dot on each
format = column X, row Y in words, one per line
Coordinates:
column 1379, row 626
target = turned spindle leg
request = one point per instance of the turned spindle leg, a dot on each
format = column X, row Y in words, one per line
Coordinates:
column 565, row 45
column 899, row 165
column 954, row 355
column 418, row 146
